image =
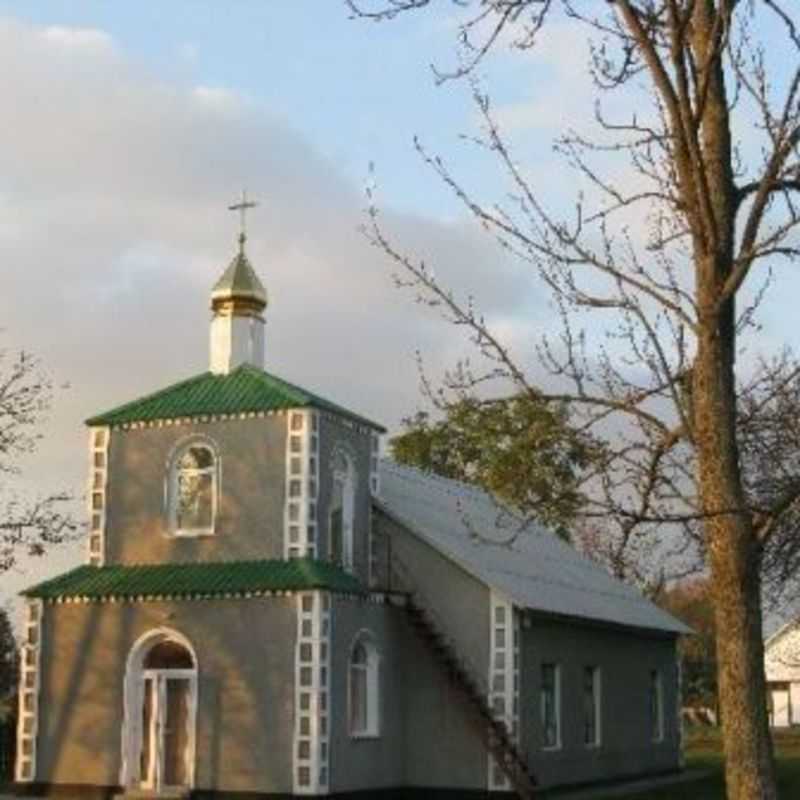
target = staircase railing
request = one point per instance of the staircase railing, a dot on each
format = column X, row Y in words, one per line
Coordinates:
column 430, row 626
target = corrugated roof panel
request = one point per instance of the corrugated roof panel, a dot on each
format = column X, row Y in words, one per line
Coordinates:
column 122, row 581
column 244, row 390
column 537, row 571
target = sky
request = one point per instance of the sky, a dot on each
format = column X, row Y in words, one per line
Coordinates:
column 130, row 127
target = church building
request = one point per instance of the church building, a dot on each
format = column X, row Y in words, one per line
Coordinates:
column 269, row 608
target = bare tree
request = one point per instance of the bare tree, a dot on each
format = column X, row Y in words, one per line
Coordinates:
column 664, row 379
column 769, row 443
column 28, row 524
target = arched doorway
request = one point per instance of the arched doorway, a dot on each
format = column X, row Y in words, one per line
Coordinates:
column 160, row 711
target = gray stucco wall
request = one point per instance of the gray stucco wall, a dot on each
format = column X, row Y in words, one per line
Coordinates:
column 252, row 477
column 245, row 652
column 334, row 432
column 363, row 763
column 444, row 748
column 428, row 738
column 460, row 603
column 625, row 660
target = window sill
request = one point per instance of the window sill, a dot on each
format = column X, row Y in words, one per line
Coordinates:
column 553, row 748
column 200, row 534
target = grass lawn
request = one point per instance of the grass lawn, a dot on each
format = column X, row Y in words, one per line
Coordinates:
column 703, row 751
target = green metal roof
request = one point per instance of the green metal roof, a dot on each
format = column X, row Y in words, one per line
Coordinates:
column 197, row 580
column 240, row 280
column 245, row 389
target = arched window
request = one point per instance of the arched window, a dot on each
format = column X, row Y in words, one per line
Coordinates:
column 342, row 507
column 193, row 490
column 364, row 688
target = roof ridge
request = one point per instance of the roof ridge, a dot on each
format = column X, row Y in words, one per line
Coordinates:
column 262, row 374
column 435, row 477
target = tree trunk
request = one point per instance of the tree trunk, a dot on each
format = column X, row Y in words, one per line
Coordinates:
column 734, row 563
column 733, row 548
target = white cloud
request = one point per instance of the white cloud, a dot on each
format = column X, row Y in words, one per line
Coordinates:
column 217, row 98
column 90, row 38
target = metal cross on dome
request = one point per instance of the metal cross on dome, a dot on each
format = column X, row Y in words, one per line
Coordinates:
column 242, row 206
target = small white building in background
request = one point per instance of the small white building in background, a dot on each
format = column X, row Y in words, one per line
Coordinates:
column 782, row 666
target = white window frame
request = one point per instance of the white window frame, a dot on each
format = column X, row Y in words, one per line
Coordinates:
column 172, row 488
column 597, row 701
column 133, row 687
column 557, row 703
column 656, row 691
column 372, row 730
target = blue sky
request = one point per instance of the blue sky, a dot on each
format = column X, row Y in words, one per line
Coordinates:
column 130, row 128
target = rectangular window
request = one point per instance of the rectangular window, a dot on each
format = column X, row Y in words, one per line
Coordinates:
column 550, row 706
column 656, row 706
column 591, row 706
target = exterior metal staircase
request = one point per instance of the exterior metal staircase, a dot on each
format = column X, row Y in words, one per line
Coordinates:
column 495, row 734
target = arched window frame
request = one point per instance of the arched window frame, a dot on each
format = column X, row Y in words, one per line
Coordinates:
column 343, row 477
column 364, row 676
column 172, row 486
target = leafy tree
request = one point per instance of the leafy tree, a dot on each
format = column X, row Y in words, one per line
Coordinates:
column 713, row 190
column 520, row 449
column 28, row 525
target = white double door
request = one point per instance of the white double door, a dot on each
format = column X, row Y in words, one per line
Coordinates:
column 167, row 729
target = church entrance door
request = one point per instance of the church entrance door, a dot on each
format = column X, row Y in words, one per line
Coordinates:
column 166, row 730
column 160, row 711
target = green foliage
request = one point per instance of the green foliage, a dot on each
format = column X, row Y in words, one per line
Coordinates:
column 521, row 449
